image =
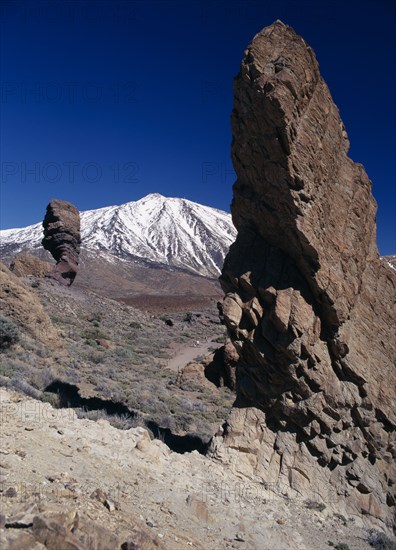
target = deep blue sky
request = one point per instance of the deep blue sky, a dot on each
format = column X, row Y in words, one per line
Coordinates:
column 109, row 101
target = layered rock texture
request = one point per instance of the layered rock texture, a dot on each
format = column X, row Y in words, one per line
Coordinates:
column 62, row 239
column 309, row 306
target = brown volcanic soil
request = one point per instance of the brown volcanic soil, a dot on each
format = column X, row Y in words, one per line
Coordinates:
column 132, row 283
column 149, row 287
column 171, row 303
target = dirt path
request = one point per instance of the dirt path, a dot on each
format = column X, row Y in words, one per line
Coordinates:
column 188, row 353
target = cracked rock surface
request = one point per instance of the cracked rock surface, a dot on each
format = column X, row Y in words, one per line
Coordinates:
column 309, row 306
column 62, row 239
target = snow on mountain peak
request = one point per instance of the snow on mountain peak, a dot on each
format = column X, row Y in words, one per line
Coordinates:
column 172, row 232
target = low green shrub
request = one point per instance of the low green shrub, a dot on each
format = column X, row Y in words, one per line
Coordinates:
column 380, row 541
column 313, row 505
column 23, row 387
column 9, row 332
column 93, row 333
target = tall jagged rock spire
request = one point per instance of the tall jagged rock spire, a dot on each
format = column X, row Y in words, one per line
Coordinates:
column 309, row 306
column 62, row 239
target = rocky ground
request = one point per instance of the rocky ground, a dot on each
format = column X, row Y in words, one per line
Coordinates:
column 78, row 484
column 79, row 374
column 117, row 362
column 109, row 440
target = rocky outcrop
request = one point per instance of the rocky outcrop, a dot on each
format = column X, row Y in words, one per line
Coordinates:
column 62, row 239
column 214, row 369
column 309, row 306
column 221, row 368
column 25, row 264
column 23, row 307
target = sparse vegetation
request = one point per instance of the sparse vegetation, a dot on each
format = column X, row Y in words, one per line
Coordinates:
column 313, row 505
column 122, row 421
column 24, row 387
column 135, row 324
column 9, row 332
column 94, row 316
column 93, row 333
column 380, row 541
column 132, row 370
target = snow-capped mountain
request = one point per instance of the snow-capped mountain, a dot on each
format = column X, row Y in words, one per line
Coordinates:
column 155, row 230
column 390, row 260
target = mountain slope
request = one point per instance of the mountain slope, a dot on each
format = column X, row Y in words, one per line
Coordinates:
column 155, row 230
column 390, row 260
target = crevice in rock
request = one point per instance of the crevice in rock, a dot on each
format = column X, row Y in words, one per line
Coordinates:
column 178, row 443
column 69, row 397
column 218, row 372
column 387, row 424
